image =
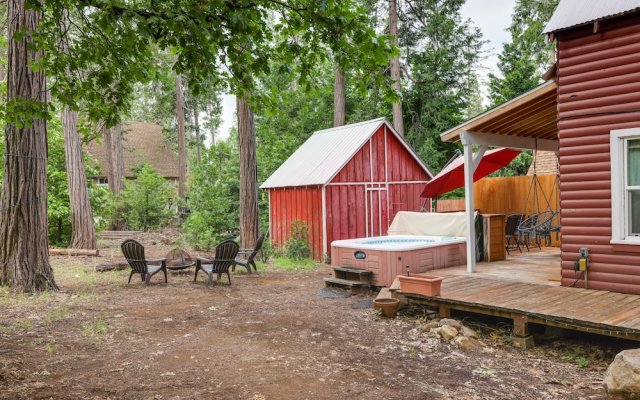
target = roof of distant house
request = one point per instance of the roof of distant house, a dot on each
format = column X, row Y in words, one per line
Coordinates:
column 142, row 143
column 573, row 13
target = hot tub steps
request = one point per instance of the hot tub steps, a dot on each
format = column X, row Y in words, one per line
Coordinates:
column 355, row 279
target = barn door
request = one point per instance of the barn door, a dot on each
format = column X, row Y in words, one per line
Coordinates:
column 377, row 211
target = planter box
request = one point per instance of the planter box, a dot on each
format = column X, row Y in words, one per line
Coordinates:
column 424, row 285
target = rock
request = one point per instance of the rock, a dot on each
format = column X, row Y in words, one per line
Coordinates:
column 430, row 325
column 466, row 343
column 468, row 332
column 451, row 322
column 448, row 332
column 623, row 375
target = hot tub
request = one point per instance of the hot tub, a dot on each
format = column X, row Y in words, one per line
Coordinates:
column 388, row 256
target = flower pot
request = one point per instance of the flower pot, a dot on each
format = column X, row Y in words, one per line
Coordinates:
column 424, row 285
column 389, row 307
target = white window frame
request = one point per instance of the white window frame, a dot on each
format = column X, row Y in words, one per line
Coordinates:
column 619, row 207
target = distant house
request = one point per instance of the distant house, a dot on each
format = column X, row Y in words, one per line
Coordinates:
column 142, row 143
column 546, row 164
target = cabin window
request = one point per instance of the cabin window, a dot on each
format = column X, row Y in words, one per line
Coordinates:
column 633, row 186
column 625, row 186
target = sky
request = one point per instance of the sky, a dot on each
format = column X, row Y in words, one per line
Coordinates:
column 491, row 16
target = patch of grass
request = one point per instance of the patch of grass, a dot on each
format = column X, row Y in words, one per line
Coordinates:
column 288, row 265
column 97, row 327
column 50, row 347
column 578, row 357
column 56, row 314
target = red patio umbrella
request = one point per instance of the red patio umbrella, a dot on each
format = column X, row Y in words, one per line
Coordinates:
column 452, row 176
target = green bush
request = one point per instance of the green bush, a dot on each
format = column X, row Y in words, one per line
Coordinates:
column 213, row 196
column 297, row 247
column 147, row 200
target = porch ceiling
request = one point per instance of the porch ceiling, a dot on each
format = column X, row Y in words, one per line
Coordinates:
column 531, row 115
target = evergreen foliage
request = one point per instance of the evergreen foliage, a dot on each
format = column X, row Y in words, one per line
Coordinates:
column 147, row 200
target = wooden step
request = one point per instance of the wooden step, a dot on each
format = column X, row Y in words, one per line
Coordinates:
column 384, row 293
column 353, row 270
column 395, row 286
column 345, row 282
column 353, row 274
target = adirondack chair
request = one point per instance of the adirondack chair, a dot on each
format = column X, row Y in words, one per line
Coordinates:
column 225, row 255
column 134, row 253
column 249, row 261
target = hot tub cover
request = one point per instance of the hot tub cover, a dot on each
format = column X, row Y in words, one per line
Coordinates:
column 428, row 224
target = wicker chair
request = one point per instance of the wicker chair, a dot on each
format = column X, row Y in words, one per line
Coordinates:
column 248, row 262
column 134, row 253
column 224, row 258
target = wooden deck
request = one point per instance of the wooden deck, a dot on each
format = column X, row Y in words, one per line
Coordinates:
column 526, row 288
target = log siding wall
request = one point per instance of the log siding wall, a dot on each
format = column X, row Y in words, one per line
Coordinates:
column 599, row 82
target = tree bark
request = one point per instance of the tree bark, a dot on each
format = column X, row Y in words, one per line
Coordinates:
column 24, row 254
column 248, row 175
column 182, row 154
column 106, row 142
column 196, row 123
column 339, row 100
column 398, row 123
column 116, row 180
column 83, row 233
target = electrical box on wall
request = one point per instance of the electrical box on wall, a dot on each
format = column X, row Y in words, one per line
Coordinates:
column 582, row 263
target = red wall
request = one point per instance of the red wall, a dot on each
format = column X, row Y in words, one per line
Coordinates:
column 287, row 205
column 599, row 90
column 346, row 195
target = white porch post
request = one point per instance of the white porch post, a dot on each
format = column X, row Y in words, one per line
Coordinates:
column 470, row 164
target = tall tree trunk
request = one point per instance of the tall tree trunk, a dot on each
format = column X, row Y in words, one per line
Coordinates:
column 106, row 142
column 338, row 98
column 24, row 243
column 182, row 154
column 398, row 123
column 83, row 233
column 248, row 175
column 196, row 123
column 116, row 180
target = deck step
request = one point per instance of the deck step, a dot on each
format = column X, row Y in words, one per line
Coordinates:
column 353, row 274
column 353, row 270
column 345, row 282
column 384, row 293
column 395, row 286
column 118, row 234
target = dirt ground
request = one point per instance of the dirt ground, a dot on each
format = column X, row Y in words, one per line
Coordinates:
column 275, row 335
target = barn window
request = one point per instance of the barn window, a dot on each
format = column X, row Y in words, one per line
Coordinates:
column 625, row 186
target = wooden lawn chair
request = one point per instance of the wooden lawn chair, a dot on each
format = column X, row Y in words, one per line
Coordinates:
column 224, row 258
column 134, row 253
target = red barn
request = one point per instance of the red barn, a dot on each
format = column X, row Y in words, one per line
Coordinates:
column 344, row 183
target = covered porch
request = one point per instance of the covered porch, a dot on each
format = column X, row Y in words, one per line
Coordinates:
column 526, row 122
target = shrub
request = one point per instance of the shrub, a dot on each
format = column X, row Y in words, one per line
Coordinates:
column 213, row 197
column 147, row 200
column 297, row 247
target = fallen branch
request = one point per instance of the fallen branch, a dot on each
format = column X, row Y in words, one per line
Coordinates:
column 74, row 252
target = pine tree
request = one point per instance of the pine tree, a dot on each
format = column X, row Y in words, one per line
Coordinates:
column 524, row 60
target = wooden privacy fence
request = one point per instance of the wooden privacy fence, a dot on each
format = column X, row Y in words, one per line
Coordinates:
column 508, row 195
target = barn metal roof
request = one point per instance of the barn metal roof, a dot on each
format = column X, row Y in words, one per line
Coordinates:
column 326, row 152
column 571, row 13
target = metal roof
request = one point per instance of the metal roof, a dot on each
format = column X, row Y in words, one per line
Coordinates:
column 326, row 152
column 571, row 13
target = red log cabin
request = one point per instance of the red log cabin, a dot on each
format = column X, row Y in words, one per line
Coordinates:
column 588, row 112
column 344, row 183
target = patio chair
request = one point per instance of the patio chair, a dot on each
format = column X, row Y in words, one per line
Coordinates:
column 248, row 262
column 134, row 253
column 224, row 258
column 528, row 229
column 513, row 238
